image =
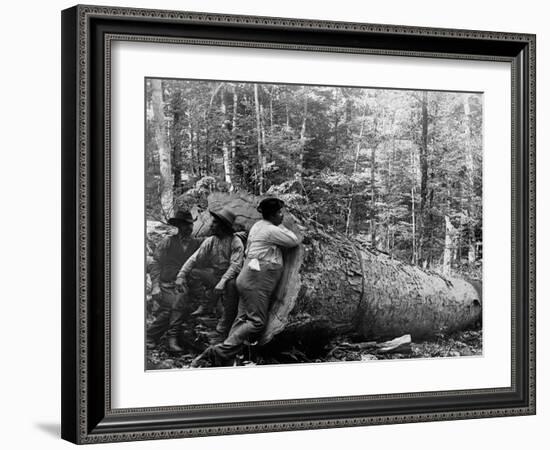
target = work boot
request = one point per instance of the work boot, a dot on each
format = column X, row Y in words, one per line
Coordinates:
column 208, row 305
column 173, row 345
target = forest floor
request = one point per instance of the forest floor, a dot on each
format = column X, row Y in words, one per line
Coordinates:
column 459, row 344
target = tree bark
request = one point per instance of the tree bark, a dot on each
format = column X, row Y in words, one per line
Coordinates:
column 234, row 124
column 423, row 175
column 262, row 128
column 259, row 135
column 271, row 109
column 414, row 258
column 166, row 192
column 332, row 285
column 287, row 127
column 191, row 150
column 208, row 121
column 469, row 179
column 227, row 161
column 372, row 197
column 175, row 137
column 448, row 249
column 336, row 122
column 302, row 138
column 355, row 165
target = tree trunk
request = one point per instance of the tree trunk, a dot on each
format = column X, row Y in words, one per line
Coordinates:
column 302, row 138
column 423, row 175
column 176, row 139
column 271, row 110
column 208, row 121
column 287, row 115
column 355, row 165
column 469, row 179
column 166, row 192
column 448, row 249
column 331, row 285
column 389, row 197
column 260, row 173
column 262, row 128
column 234, row 124
column 372, row 197
column 206, row 156
column 227, row 162
column 191, row 150
column 414, row 258
column 336, row 123
column 190, row 146
column 198, row 143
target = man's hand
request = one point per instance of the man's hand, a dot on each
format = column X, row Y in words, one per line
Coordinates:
column 219, row 288
column 156, row 293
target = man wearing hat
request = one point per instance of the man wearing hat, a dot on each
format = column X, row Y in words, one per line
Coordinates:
column 169, row 256
column 216, row 264
column 256, row 282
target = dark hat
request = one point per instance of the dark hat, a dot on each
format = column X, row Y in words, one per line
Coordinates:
column 225, row 216
column 181, row 217
column 270, row 205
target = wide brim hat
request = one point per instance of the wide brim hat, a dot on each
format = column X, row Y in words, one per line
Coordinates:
column 181, row 217
column 225, row 216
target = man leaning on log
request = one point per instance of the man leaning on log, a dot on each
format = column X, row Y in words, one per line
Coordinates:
column 256, row 282
column 215, row 265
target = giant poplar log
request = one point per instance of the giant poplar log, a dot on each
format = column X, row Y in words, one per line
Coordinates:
column 332, row 285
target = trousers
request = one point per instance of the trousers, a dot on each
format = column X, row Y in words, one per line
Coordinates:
column 255, row 289
column 169, row 314
column 175, row 306
column 207, row 280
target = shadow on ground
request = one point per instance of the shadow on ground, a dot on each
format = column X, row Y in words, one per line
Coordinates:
column 53, row 429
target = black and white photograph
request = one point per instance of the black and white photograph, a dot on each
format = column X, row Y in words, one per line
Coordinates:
column 290, row 223
column 276, row 225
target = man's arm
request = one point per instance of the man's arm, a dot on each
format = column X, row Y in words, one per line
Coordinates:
column 201, row 253
column 236, row 260
column 281, row 236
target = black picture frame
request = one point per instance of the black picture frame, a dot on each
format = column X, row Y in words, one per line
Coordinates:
column 87, row 416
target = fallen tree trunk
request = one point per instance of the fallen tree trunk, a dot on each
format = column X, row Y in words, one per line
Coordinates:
column 332, row 285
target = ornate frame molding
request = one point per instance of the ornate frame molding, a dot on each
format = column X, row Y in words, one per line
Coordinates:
column 86, row 421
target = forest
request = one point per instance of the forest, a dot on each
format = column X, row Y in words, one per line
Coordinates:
column 400, row 170
column 385, row 185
